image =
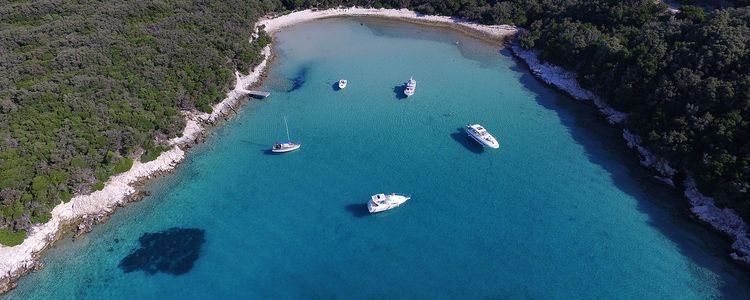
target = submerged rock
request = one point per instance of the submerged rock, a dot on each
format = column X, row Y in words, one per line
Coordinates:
column 299, row 79
column 172, row 251
column 84, row 227
column 87, row 224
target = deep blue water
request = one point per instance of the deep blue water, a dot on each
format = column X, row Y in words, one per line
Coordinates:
column 562, row 210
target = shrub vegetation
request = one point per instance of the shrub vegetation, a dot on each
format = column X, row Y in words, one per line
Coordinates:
column 87, row 84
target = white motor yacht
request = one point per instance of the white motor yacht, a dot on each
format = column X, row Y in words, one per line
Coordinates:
column 481, row 135
column 383, row 202
column 342, row 84
column 411, row 86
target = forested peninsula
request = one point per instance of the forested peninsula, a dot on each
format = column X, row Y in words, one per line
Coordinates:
column 89, row 86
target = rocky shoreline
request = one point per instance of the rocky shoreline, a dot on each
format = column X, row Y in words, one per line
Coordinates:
column 21, row 259
column 83, row 211
column 724, row 220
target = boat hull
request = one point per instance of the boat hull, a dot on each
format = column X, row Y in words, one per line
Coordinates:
column 491, row 143
column 285, row 148
column 376, row 204
column 411, row 87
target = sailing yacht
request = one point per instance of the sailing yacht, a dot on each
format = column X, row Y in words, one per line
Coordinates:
column 286, row 146
column 411, row 86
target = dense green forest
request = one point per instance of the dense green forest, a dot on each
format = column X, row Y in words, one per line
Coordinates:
column 89, row 85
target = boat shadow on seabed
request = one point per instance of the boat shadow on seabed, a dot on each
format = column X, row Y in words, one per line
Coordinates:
column 462, row 138
column 358, row 210
column 399, row 91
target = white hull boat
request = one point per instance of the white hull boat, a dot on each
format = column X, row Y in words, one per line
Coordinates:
column 411, row 87
column 342, row 84
column 383, row 202
column 286, row 146
column 482, row 136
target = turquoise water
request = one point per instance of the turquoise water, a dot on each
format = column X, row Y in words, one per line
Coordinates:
column 560, row 211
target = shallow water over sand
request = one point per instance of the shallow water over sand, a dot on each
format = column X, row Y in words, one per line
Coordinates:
column 561, row 210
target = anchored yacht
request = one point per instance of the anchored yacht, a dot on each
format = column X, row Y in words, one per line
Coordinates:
column 479, row 134
column 342, row 84
column 286, row 146
column 411, row 86
column 383, row 202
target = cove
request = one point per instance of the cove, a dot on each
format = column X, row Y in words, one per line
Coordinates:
column 561, row 210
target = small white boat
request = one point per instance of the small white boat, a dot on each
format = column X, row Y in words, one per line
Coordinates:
column 286, row 146
column 481, row 135
column 383, row 202
column 411, row 86
column 342, row 84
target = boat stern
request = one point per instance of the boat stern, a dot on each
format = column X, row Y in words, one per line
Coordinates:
column 373, row 208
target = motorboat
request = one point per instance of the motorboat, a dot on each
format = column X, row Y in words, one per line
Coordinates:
column 411, row 87
column 383, row 202
column 482, row 136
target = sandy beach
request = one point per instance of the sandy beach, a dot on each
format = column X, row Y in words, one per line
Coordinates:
column 494, row 33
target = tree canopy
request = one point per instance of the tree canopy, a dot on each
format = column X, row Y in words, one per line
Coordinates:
column 89, row 85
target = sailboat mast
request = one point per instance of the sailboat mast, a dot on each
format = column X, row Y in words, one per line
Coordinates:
column 287, row 130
